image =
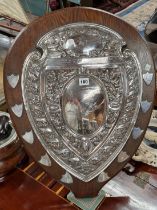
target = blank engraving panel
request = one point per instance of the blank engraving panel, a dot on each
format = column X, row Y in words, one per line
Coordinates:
column 84, row 105
column 82, row 90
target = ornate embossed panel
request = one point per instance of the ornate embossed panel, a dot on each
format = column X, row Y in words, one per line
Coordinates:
column 81, row 83
column 86, row 94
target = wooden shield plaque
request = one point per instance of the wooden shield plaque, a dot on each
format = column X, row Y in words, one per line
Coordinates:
column 79, row 84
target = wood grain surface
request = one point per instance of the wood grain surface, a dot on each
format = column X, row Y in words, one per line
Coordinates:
column 29, row 188
column 21, row 192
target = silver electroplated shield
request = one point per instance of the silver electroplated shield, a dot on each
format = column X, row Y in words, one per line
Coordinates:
column 82, row 91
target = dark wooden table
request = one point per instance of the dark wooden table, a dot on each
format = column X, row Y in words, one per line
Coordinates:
column 30, row 188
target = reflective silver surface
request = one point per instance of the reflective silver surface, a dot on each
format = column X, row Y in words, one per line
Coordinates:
column 84, row 105
column 82, row 94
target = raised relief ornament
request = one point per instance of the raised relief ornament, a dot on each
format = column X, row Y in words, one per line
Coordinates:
column 82, row 86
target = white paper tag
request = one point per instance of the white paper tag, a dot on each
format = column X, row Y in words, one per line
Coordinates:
column 83, row 81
